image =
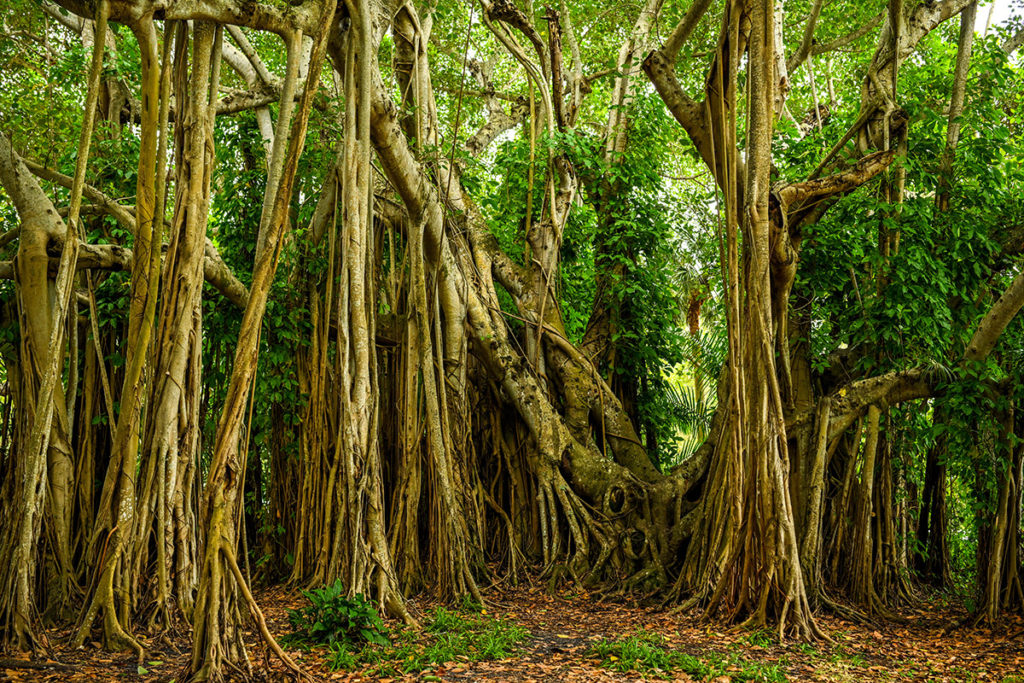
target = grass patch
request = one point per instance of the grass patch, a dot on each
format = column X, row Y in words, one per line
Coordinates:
column 447, row 636
column 646, row 653
column 760, row 638
column 807, row 649
column 840, row 654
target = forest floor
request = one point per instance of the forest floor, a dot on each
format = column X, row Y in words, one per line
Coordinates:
column 574, row 636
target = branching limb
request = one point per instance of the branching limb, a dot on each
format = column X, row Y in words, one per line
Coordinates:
column 1013, row 43
column 996, row 320
column 804, row 50
column 842, row 41
column 681, row 33
column 806, row 201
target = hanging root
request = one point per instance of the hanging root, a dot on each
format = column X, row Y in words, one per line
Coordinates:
column 615, row 547
column 114, row 635
column 257, row 615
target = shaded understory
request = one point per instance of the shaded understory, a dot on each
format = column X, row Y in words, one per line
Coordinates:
column 572, row 636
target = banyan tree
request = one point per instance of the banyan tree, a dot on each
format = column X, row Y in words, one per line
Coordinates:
column 385, row 292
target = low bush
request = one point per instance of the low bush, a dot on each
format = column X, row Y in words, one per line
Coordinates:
column 447, row 636
column 333, row 618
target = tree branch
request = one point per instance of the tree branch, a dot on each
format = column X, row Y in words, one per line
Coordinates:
column 996, row 320
column 497, row 123
column 804, row 49
column 1013, row 43
column 114, row 257
column 279, row 18
column 252, row 56
column 852, row 400
column 852, row 36
column 806, row 201
column 688, row 112
column 840, row 183
column 681, row 33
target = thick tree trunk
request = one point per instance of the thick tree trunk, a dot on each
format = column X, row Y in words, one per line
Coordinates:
column 559, row 458
column 746, row 557
column 222, row 592
column 44, row 458
column 999, row 579
column 117, row 505
column 167, row 518
column 359, row 554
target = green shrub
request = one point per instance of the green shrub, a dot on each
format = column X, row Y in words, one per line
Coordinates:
column 447, row 636
column 332, row 617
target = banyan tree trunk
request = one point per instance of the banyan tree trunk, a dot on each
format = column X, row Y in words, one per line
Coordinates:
column 42, row 458
column 165, row 534
column 357, row 550
column 999, row 539
column 222, row 591
column 110, row 541
column 932, row 556
column 745, row 559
